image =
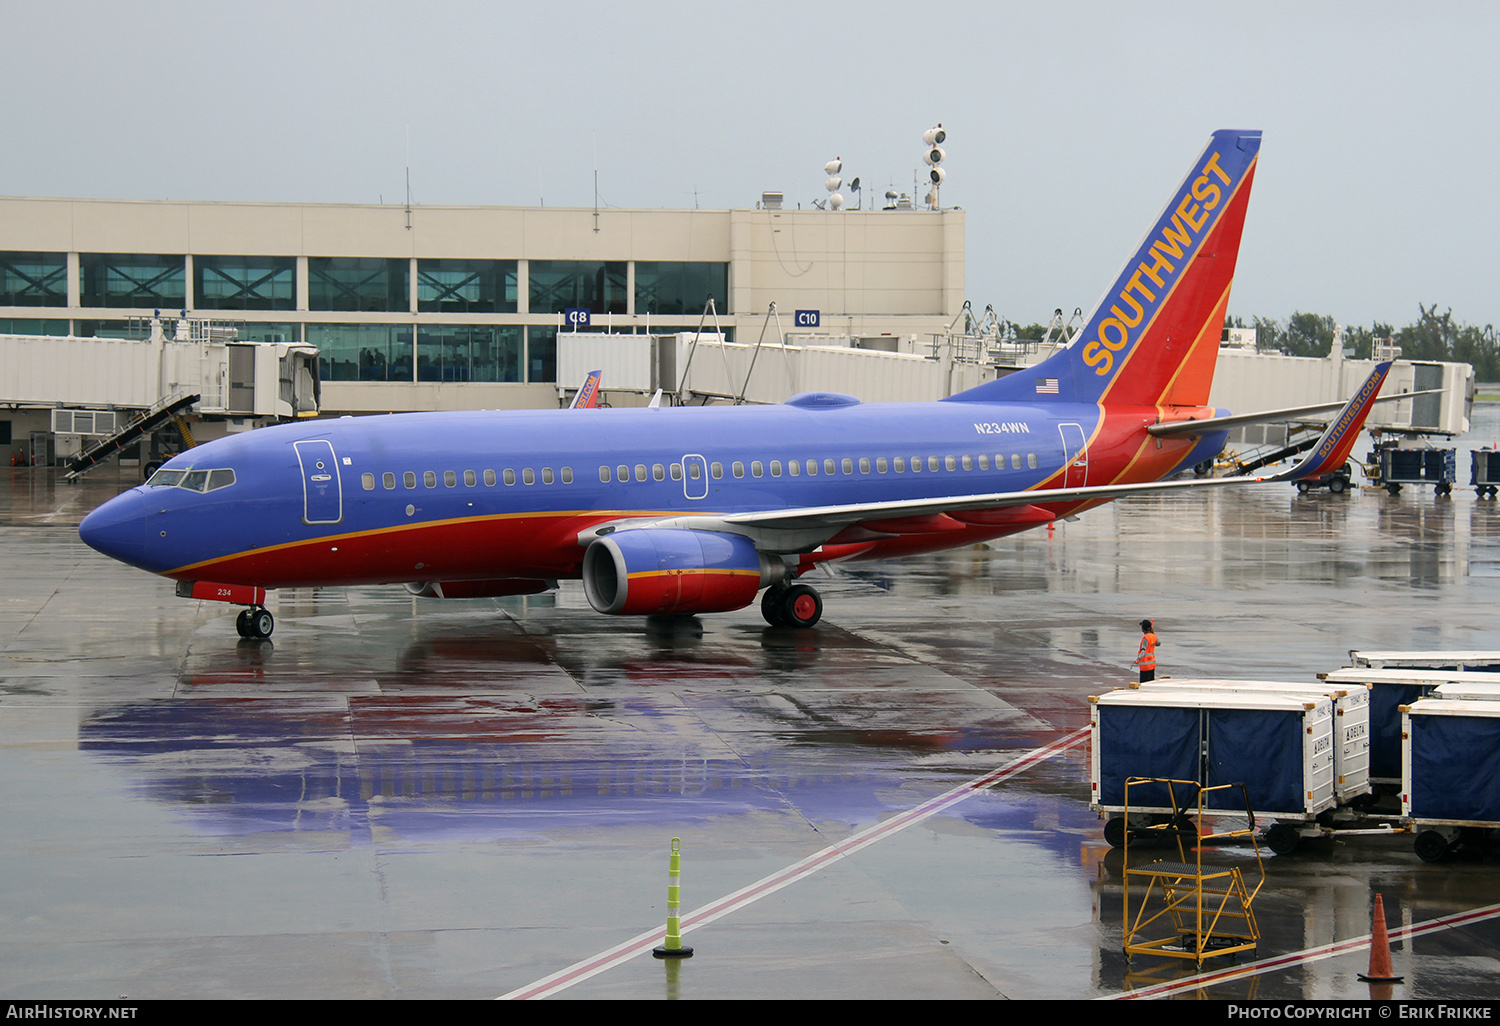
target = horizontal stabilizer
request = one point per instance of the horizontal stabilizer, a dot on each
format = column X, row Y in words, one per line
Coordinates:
column 1196, row 427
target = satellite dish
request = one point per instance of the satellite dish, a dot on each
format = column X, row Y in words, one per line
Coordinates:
column 854, row 185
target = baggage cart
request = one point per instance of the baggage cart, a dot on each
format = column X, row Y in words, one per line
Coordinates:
column 1451, row 773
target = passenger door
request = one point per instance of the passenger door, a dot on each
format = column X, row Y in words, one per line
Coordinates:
column 322, row 498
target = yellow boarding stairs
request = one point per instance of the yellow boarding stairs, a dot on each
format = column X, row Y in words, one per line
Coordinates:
column 1185, row 908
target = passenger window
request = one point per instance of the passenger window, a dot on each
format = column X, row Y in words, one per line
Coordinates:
column 900, row 464
column 829, row 467
column 510, row 477
column 695, row 470
column 640, row 472
column 968, row 463
column 1015, row 461
column 949, row 463
column 1031, row 460
column 450, row 479
column 793, row 468
column 367, row 481
column 388, row 479
column 717, row 470
column 659, row 472
column 984, row 462
column 881, row 466
column 429, row 478
column 489, row 478
column 604, row 475
column 864, row 465
column 916, row 464
column 567, row 475
column 932, row 464
column 409, row 479
column 622, row 472
column 469, row 479
column 738, row 469
column 776, row 468
column 677, row 471
column 528, row 476
column 812, row 468
column 546, row 475
column 755, row 468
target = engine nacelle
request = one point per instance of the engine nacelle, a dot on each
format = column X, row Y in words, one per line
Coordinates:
column 671, row 570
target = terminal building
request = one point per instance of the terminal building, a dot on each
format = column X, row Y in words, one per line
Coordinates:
column 428, row 307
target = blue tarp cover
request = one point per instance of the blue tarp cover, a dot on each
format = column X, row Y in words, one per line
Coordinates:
column 1455, row 768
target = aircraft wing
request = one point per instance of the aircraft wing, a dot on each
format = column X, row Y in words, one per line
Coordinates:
column 824, row 521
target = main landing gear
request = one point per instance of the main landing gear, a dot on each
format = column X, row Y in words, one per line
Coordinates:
column 794, row 606
column 255, row 622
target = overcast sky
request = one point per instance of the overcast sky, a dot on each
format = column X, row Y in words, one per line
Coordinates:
column 1069, row 122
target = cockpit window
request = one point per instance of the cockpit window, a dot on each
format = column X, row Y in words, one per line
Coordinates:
column 164, row 479
column 192, row 480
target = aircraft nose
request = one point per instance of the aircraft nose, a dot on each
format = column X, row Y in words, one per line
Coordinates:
column 118, row 528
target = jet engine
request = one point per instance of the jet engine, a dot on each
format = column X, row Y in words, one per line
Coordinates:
column 671, row 570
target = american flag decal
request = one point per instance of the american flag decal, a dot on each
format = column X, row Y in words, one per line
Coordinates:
column 1046, row 386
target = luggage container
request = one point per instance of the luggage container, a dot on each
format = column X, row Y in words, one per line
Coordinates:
column 1462, row 691
column 1459, row 660
column 1279, row 746
column 1351, row 712
column 1451, row 773
column 1437, row 467
column 1484, row 471
column 1390, row 689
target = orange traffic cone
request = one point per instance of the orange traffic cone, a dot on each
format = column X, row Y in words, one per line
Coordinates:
column 1381, row 970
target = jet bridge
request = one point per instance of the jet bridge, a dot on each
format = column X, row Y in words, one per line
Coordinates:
column 91, row 398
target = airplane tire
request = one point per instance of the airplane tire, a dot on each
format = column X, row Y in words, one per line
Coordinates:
column 770, row 606
column 262, row 623
column 802, row 606
column 242, row 623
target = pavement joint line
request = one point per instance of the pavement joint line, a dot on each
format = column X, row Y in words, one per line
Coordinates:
column 1306, row 955
column 625, row 951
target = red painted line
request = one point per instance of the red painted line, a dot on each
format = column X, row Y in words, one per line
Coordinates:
column 621, row 953
column 1342, row 947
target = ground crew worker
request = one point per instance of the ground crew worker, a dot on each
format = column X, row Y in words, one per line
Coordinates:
column 1145, row 657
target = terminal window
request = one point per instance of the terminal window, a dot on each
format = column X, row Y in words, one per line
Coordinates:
column 680, row 288
column 140, row 281
column 358, row 283
column 33, row 279
column 594, row 285
column 466, row 286
column 244, row 283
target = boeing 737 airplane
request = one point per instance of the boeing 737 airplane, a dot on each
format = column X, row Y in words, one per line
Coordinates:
column 696, row 510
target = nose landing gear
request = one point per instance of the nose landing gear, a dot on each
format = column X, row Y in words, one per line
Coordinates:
column 255, row 622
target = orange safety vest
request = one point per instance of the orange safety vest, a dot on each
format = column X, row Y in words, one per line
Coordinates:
column 1147, row 654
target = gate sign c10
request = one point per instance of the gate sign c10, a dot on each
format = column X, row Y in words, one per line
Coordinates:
column 808, row 318
column 576, row 316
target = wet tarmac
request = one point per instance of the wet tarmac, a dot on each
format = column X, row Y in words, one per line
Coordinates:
column 413, row 798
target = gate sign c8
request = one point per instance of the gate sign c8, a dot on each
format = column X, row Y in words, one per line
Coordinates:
column 576, row 316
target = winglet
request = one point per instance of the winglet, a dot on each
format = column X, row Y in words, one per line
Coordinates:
column 587, row 396
column 1334, row 447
